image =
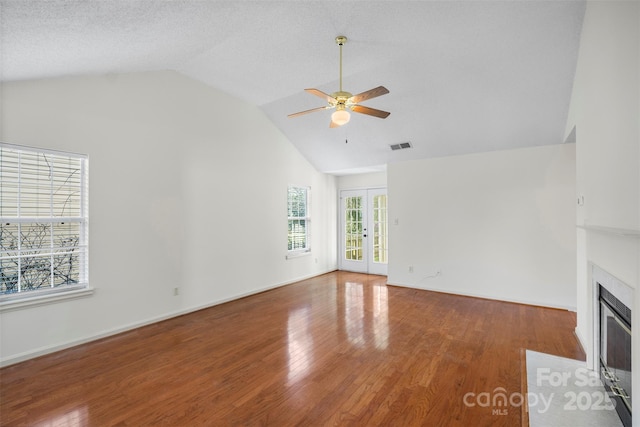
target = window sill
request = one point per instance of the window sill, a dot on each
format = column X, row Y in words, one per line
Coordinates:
column 38, row 300
column 298, row 254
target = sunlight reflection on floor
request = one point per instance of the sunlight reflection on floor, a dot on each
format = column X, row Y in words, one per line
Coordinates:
column 78, row 417
column 300, row 344
column 366, row 324
column 367, row 314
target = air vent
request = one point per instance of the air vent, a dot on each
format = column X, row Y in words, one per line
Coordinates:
column 400, row 146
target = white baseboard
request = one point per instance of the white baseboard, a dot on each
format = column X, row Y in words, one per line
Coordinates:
column 486, row 296
column 21, row 357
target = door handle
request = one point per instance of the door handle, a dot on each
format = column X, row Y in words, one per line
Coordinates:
column 608, row 375
column 618, row 391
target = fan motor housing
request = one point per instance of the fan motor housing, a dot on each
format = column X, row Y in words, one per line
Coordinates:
column 341, row 96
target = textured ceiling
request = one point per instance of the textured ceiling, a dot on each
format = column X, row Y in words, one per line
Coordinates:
column 463, row 76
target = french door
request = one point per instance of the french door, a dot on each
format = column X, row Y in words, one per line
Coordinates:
column 363, row 223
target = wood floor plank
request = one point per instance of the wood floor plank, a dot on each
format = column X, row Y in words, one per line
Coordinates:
column 337, row 349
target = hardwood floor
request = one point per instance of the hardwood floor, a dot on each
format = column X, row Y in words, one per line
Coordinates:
column 338, row 349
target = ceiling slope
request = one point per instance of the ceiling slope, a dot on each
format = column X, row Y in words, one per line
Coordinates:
column 463, row 76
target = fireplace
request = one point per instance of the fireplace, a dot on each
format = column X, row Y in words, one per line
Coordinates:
column 615, row 346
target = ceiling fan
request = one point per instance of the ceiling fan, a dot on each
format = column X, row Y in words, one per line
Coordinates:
column 343, row 101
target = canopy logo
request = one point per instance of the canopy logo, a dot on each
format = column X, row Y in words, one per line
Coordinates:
column 580, row 390
column 499, row 401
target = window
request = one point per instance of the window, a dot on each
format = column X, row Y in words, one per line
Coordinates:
column 43, row 222
column 299, row 219
column 354, row 225
column 380, row 229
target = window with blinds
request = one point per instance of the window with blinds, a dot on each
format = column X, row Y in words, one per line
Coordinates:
column 43, row 222
column 299, row 219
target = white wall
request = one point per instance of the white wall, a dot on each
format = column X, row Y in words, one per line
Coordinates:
column 188, row 189
column 498, row 225
column 606, row 113
column 364, row 180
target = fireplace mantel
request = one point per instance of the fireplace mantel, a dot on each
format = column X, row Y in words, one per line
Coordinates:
column 626, row 232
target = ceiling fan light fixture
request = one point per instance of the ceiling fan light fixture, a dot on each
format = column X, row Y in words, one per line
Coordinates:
column 340, row 117
column 341, row 99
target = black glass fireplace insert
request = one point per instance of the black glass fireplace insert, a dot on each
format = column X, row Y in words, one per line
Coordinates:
column 615, row 352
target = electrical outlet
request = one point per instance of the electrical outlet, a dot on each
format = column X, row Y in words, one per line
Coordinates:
column 411, row 269
column 176, row 291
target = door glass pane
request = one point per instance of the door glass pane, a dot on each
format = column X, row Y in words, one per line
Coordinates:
column 380, row 229
column 353, row 228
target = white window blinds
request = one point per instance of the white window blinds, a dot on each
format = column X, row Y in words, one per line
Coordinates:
column 43, row 221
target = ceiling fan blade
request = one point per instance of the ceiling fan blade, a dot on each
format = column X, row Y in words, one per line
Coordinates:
column 371, row 93
column 330, row 99
column 301, row 113
column 370, row 111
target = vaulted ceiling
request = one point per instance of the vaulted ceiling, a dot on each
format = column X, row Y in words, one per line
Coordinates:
column 463, row 76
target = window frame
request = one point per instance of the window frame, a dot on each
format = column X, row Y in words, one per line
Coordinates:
column 295, row 252
column 56, row 245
